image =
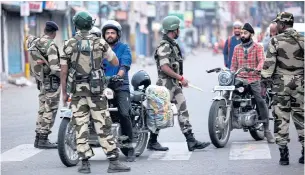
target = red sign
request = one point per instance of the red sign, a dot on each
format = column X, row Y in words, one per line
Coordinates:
column 121, row 15
column 50, row 5
column 35, row 6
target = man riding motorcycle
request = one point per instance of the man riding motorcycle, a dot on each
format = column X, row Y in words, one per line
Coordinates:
column 250, row 54
column 111, row 32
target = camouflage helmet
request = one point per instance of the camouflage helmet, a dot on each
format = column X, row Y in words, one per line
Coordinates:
column 284, row 17
column 170, row 23
column 83, row 20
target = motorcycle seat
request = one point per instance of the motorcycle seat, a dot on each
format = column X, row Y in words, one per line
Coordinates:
column 136, row 96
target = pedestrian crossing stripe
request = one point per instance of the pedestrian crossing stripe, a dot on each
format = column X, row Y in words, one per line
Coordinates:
column 177, row 151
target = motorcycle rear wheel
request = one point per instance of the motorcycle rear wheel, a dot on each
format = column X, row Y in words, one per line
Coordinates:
column 214, row 131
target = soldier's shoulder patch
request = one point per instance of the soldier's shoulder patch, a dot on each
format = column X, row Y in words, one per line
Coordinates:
column 164, row 48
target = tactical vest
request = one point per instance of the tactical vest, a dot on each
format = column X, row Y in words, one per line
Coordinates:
column 175, row 58
column 41, row 72
column 77, row 74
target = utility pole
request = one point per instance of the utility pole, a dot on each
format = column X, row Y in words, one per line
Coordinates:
column 26, row 53
column 25, row 12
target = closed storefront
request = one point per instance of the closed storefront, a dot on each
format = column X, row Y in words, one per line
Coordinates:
column 13, row 42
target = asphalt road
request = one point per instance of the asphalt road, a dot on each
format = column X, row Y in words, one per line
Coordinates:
column 242, row 155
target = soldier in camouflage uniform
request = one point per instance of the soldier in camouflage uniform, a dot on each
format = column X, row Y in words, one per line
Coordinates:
column 44, row 63
column 83, row 78
column 284, row 64
column 169, row 63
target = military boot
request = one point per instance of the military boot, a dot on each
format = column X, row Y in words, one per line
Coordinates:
column 193, row 144
column 116, row 166
column 44, row 142
column 301, row 160
column 85, row 168
column 36, row 140
column 154, row 145
column 284, row 155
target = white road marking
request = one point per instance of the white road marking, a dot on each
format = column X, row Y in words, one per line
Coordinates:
column 249, row 151
column 177, row 151
column 20, row 153
column 99, row 154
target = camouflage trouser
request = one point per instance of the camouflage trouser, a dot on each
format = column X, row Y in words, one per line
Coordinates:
column 48, row 106
column 97, row 106
column 289, row 100
column 178, row 98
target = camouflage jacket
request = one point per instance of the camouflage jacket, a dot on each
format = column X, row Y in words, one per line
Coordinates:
column 168, row 52
column 46, row 48
column 284, row 55
column 100, row 49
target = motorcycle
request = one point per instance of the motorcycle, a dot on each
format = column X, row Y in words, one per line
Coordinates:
column 67, row 134
column 236, row 111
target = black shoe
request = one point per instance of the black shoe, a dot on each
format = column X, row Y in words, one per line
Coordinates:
column 36, row 140
column 154, row 145
column 284, row 160
column 131, row 157
column 116, row 166
column 44, row 142
column 193, row 144
column 85, row 168
column 301, row 160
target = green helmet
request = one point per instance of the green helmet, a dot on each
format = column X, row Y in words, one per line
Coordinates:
column 170, row 23
column 83, row 20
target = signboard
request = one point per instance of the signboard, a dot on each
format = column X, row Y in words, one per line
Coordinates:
column 25, row 9
column 151, row 10
column 207, row 5
column 35, row 6
column 15, row 3
column 75, row 3
column 55, row 5
column 121, row 15
column 32, row 21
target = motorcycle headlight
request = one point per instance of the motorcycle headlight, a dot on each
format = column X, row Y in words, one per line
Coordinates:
column 225, row 78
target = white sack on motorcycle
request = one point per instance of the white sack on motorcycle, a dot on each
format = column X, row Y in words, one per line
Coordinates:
column 159, row 108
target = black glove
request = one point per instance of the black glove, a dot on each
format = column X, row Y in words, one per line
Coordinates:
column 116, row 82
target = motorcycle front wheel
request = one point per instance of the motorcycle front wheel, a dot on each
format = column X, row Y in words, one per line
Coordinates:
column 219, row 136
column 67, row 143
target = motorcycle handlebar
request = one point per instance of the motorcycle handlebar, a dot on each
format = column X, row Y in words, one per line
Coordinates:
column 214, row 70
column 247, row 70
